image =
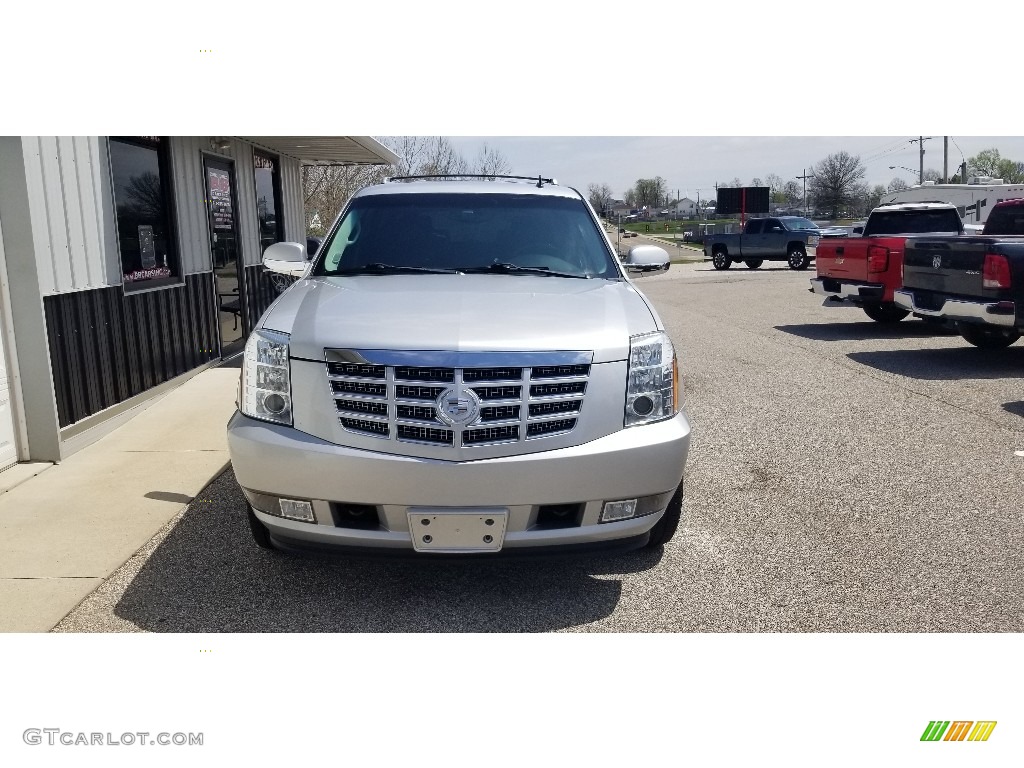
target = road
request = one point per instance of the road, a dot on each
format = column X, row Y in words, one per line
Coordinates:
column 844, row 476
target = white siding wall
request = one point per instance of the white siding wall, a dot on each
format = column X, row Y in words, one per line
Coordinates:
column 72, row 207
column 294, row 202
column 72, row 212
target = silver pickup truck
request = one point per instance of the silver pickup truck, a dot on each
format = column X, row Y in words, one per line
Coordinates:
column 463, row 369
column 785, row 238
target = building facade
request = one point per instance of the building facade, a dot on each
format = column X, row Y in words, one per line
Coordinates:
column 128, row 264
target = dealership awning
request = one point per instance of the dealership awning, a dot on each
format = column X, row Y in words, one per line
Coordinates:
column 327, row 150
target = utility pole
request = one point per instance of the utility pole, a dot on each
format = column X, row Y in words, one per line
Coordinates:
column 945, row 159
column 920, row 140
column 805, row 177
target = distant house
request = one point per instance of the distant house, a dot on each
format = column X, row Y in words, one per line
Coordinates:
column 619, row 208
column 685, row 207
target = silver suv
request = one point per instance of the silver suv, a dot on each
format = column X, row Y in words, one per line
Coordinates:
column 463, row 368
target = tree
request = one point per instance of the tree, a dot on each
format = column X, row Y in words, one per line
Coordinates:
column 874, row 197
column 792, row 193
column 930, row 174
column 648, row 192
column 897, row 185
column 985, row 163
column 836, row 182
column 600, row 196
column 490, row 162
column 775, row 184
column 1011, row 171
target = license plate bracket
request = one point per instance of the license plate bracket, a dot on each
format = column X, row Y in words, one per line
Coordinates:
column 457, row 530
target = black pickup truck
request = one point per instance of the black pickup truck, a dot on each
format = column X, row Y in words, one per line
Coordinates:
column 974, row 282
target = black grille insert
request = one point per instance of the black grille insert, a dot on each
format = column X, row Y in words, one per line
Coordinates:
column 550, row 427
column 490, row 435
column 498, row 393
column 559, row 516
column 410, row 392
column 492, row 374
column 556, row 406
column 361, row 516
column 425, row 434
column 412, row 373
column 499, row 413
column 363, row 370
column 419, row 412
column 561, row 388
column 359, row 388
column 363, row 425
column 363, row 406
column 559, row 371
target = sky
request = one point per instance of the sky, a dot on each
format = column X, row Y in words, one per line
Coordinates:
column 693, row 164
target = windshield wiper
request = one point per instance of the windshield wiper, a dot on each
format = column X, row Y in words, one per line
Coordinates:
column 377, row 268
column 514, row 269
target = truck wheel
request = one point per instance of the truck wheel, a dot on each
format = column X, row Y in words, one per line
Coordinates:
column 987, row 338
column 797, row 258
column 883, row 313
column 754, row 263
column 665, row 528
column 721, row 260
column 260, row 534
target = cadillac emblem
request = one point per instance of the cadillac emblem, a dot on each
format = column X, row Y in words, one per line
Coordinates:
column 937, row 261
column 458, row 405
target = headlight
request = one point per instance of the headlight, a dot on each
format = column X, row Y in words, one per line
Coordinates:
column 652, row 388
column 266, row 388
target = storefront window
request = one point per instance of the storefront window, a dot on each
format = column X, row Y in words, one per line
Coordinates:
column 268, row 197
column 142, row 200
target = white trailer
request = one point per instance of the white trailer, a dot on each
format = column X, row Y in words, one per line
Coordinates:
column 974, row 199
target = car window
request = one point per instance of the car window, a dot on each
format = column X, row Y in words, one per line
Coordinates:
column 913, row 222
column 1007, row 220
column 799, row 224
column 754, row 227
column 773, row 225
column 460, row 231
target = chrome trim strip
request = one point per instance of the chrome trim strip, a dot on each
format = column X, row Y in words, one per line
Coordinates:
column 447, row 359
column 955, row 309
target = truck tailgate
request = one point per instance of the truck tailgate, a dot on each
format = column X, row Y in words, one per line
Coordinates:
column 947, row 265
column 842, row 257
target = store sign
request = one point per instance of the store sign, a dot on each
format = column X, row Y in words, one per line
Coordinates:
column 219, row 186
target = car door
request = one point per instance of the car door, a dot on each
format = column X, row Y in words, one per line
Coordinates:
column 751, row 245
column 773, row 240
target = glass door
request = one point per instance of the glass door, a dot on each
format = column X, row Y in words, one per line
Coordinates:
column 226, row 253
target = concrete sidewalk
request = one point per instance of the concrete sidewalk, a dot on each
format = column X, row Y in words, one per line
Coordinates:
column 66, row 529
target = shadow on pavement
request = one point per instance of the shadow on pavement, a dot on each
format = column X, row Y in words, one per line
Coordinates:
column 1016, row 408
column 207, row 575
column 869, row 329
column 947, row 364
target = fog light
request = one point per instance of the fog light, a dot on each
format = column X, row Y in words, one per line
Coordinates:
column 297, row 510
column 618, row 510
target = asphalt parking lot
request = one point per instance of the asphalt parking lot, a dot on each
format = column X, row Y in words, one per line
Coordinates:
column 844, row 476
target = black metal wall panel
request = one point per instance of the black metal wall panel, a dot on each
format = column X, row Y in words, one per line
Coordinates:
column 259, row 294
column 106, row 346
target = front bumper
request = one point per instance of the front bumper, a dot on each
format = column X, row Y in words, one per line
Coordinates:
column 1000, row 313
column 632, row 463
column 841, row 290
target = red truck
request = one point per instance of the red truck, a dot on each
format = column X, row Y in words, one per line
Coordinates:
column 865, row 271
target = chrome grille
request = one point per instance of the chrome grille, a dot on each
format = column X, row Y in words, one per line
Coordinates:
column 406, row 396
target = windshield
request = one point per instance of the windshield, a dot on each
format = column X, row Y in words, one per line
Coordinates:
column 913, row 222
column 503, row 233
column 798, row 224
column 1007, row 220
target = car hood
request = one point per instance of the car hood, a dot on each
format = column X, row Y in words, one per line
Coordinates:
column 464, row 313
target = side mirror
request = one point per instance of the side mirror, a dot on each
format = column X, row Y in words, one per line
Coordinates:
column 286, row 259
column 642, row 259
column 313, row 245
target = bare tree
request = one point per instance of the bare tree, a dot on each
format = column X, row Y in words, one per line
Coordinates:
column 774, row 183
column 836, row 182
column 792, row 193
column 930, row 174
column 897, row 185
column 600, row 196
column 491, row 162
column 649, row 192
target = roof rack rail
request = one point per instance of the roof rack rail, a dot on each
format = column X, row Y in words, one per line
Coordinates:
column 540, row 180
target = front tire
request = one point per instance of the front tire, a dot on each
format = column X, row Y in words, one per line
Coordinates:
column 986, row 338
column 721, row 260
column 798, row 258
column 884, row 313
column 754, row 263
column 666, row 528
